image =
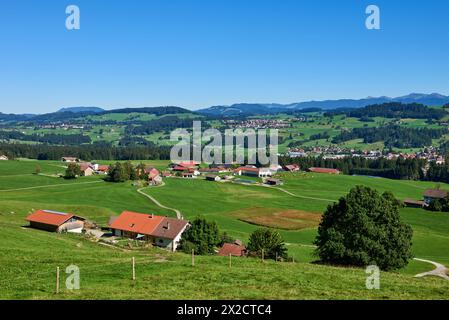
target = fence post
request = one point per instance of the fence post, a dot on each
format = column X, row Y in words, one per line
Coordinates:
column 193, row 257
column 57, row 280
column 134, row 268
column 263, row 254
column 230, row 260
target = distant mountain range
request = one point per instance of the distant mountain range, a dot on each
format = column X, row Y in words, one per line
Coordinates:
column 433, row 99
column 82, row 109
column 243, row 109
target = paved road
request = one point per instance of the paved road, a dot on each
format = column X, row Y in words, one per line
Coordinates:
column 178, row 213
column 439, row 271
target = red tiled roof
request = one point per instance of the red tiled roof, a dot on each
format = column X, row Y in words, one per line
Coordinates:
column 180, row 168
column 233, row 249
column 103, row 168
column 136, row 222
column 53, row 218
column 188, row 164
column 323, row 170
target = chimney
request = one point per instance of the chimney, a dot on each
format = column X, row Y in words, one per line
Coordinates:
column 168, row 225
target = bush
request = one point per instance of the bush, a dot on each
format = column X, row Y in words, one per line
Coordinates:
column 268, row 240
column 73, row 171
column 364, row 228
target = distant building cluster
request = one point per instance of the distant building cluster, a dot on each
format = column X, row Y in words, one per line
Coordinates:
column 431, row 154
column 258, row 124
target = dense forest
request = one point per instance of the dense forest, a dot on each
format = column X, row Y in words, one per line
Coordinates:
column 393, row 110
column 393, row 136
column 85, row 152
column 405, row 169
column 166, row 124
column 50, row 138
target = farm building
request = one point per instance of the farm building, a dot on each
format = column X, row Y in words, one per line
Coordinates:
column 55, row 221
column 274, row 182
column 86, row 169
column 154, row 176
column 235, row 249
column 414, row 203
column 70, row 159
column 102, row 169
column 324, row 170
column 188, row 175
column 160, row 231
column 434, row 194
column 291, row 167
column 252, row 171
column 212, row 177
column 209, row 170
column 3, row 158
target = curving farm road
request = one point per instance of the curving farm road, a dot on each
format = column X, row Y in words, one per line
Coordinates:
column 439, row 271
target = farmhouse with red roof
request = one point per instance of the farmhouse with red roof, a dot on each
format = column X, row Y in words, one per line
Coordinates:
column 55, row 221
column 160, row 231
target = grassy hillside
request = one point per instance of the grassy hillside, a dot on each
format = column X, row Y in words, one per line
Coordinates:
column 29, row 257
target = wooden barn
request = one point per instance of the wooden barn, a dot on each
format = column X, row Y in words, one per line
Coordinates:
column 55, row 221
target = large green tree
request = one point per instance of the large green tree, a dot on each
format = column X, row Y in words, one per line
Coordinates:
column 268, row 241
column 203, row 236
column 364, row 228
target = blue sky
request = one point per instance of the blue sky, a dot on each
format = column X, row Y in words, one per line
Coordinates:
column 198, row 53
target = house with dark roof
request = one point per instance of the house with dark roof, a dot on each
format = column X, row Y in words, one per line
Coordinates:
column 55, row 221
column 434, row 194
column 160, row 231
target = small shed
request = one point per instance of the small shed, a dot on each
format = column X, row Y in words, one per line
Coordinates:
column 274, row 182
column 212, row 177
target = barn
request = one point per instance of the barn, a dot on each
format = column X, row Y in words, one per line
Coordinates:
column 55, row 221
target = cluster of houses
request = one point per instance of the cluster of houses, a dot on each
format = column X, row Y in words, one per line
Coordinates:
column 89, row 169
column 431, row 154
column 429, row 196
column 258, row 124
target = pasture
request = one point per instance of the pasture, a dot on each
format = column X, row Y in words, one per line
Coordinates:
column 294, row 209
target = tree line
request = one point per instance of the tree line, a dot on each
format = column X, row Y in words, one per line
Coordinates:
column 50, row 138
column 393, row 110
column 407, row 169
column 394, row 136
column 85, row 152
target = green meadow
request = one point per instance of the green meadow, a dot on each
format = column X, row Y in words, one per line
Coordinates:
column 29, row 257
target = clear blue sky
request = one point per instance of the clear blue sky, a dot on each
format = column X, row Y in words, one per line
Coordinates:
column 197, row 53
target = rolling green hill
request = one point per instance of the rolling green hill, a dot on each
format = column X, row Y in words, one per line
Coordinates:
column 29, row 257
